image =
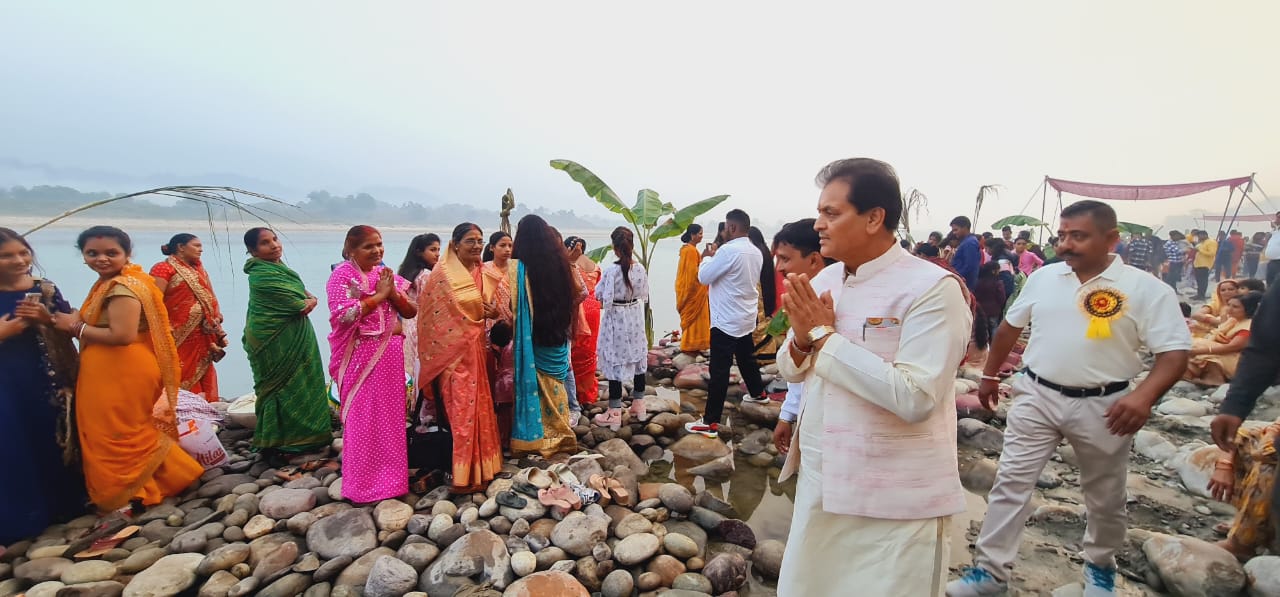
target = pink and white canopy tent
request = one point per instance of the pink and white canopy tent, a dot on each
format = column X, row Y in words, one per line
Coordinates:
column 1118, row 192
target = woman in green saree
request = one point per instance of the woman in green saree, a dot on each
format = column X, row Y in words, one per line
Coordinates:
column 292, row 404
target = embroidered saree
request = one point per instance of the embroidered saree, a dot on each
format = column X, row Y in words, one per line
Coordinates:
column 692, row 303
column 542, row 404
column 410, row 327
column 366, row 362
column 453, row 353
column 126, row 423
column 1254, row 468
column 288, row 376
column 501, row 360
column 197, row 323
column 37, row 379
column 1220, row 337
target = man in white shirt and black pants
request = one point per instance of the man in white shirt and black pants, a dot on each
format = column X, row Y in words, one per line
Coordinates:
column 732, row 274
column 1090, row 316
column 1272, row 253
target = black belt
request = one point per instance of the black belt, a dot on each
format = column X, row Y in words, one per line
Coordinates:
column 626, row 303
column 1070, row 392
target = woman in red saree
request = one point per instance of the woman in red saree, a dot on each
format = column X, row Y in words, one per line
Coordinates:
column 453, row 348
column 586, row 326
column 193, row 313
column 501, row 362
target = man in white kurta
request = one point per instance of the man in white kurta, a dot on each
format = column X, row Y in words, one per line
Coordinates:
column 877, row 338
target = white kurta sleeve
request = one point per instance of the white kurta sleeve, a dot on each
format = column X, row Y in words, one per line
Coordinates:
column 935, row 334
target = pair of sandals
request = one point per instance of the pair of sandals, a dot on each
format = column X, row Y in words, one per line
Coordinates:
column 612, row 418
column 611, row 490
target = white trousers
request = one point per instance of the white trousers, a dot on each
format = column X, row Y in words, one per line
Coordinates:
column 1038, row 421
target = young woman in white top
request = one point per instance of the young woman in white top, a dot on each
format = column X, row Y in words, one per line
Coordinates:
column 622, row 347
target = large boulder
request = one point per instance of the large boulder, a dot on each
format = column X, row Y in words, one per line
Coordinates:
column 357, row 573
column 284, row 503
column 578, row 533
column 726, row 571
column 1195, row 468
column 1152, row 445
column 1190, row 567
column 348, row 533
column 764, row 414
column 618, row 453
column 390, row 578
column 693, row 377
column 976, row 434
column 476, row 558
column 1263, row 573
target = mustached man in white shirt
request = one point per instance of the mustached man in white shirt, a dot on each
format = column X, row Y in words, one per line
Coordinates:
column 876, row 339
column 731, row 273
column 1090, row 316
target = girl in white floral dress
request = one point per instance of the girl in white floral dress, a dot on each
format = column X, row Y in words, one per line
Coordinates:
column 623, row 347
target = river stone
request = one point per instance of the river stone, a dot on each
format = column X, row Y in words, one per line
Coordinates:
column 1182, row 406
column 716, row 469
column 419, row 524
column 1264, row 576
column 218, row 584
column 331, row 568
column 335, row 490
column 188, row 542
column 300, row 522
column 706, row 519
column 727, row 571
column 223, row 485
column 699, row 449
column 445, row 507
column 347, row 533
column 1191, row 567
column 667, row 567
column 47, row 588
column 617, row 584
column 307, row 482
column 392, row 515
column 245, row 587
column 767, row 558
column 41, row 569
column 89, row 571
column 357, row 573
column 519, row 527
column 737, row 532
column 47, row 551
column 680, row 546
column 551, row 582
column 648, row 581
column 323, row 589
column 278, row 560
column 523, row 563
column 170, row 575
column 390, row 577
column 676, row 497
column 102, row 588
column 418, row 555
column 532, row 511
column 438, row 524
column 262, row 546
column 1152, row 445
column 632, row 524
column 1195, row 468
column 258, row 526
column 635, row 549
column 141, row 560
column 287, row 586
column 692, row 581
column 578, row 533
column 616, row 452
column 284, row 503
column 548, row 556
column 488, row 508
column 482, row 550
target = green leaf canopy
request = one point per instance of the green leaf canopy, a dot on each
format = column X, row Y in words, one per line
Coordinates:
column 1018, row 220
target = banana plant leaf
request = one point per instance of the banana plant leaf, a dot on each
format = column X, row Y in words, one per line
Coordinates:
column 1131, row 228
column 648, row 208
column 779, row 325
column 1018, row 220
column 599, row 253
column 595, row 188
column 676, row 224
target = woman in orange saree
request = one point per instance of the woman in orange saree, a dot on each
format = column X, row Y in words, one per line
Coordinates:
column 691, row 296
column 128, row 436
column 193, row 312
column 453, row 347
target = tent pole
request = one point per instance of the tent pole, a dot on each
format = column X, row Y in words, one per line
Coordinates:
column 1044, row 196
column 1240, row 203
column 1225, row 208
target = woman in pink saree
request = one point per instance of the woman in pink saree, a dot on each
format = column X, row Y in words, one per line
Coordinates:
column 366, row 302
column 454, row 346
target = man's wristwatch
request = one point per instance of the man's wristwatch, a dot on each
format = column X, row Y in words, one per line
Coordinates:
column 818, row 333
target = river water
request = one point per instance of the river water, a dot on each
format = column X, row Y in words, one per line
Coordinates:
column 310, row 253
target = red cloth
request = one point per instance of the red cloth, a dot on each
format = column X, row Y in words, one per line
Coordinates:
column 1141, row 192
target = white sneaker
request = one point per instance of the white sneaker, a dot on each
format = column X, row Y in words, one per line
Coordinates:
column 703, row 429
column 761, row 399
column 1099, row 581
column 976, row 582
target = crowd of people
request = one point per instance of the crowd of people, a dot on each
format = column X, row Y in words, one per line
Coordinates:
column 503, row 340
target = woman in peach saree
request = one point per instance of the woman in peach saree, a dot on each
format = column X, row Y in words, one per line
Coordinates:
column 126, row 423
column 453, row 347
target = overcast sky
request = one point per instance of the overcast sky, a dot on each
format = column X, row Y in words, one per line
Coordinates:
column 693, row 99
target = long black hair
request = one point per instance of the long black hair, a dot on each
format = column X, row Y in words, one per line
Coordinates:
column 624, row 245
column 7, row 235
column 768, row 284
column 413, row 263
column 494, row 239
column 689, row 232
column 546, row 265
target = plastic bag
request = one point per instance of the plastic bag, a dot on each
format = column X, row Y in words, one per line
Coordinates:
column 198, row 438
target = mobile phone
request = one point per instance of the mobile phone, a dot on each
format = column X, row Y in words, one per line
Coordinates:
column 32, row 297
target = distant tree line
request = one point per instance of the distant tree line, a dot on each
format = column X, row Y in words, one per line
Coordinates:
column 319, row 207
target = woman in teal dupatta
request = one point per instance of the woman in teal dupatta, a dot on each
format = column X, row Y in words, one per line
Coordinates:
column 541, row 340
column 292, row 403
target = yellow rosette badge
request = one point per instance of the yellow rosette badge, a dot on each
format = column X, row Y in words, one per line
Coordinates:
column 1102, row 305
